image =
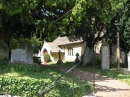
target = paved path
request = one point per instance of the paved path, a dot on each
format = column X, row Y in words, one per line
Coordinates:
column 104, row 86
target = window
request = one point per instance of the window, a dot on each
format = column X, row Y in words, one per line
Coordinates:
column 70, row 51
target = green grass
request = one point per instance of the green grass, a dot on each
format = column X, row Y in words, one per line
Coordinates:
column 52, row 63
column 43, row 74
column 112, row 73
column 20, row 71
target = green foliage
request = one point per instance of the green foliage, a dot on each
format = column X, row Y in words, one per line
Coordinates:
column 3, row 63
column 25, row 41
column 18, row 19
column 3, row 49
column 31, row 87
column 1, row 57
column 14, row 43
column 20, row 43
column 3, row 46
column 60, row 3
column 19, row 67
column 77, row 19
column 47, row 57
column 11, row 7
column 22, row 87
column 122, row 18
column 35, row 41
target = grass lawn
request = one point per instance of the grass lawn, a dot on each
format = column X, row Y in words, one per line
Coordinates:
column 43, row 74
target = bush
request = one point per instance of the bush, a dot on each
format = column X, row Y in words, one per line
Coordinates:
column 47, row 57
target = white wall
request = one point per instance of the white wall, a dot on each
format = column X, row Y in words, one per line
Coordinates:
column 45, row 46
column 77, row 48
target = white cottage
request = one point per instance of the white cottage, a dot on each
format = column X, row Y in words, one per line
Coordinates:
column 67, row 48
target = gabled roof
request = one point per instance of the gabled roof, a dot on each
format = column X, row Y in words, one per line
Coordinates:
column 54, row 46
column 65, row 40
column 61, row 40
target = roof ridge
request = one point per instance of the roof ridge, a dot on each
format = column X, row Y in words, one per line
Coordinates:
column 56, row 39
column 59, row 37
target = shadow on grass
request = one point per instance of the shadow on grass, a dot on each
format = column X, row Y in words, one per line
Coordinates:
column 43, row 73
column 112, row 73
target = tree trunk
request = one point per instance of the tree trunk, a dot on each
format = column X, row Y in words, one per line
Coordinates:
column 4, row 35
column 87, row 55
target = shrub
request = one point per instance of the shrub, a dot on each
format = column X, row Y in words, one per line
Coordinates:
column 47, row 57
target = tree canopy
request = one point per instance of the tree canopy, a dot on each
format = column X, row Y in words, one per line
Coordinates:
column 50, row 18
column 123, row 18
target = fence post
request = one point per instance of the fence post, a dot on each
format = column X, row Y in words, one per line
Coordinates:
column 72, row 82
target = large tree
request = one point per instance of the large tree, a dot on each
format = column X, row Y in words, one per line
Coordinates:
column 16, row 19
column 123, row 18
column 49, row 18
column 25, row 18
column 87, row 19
column 48, row 14
column 73, row 13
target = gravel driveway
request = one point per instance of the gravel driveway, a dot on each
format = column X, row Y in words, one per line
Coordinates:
column 104, row 86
